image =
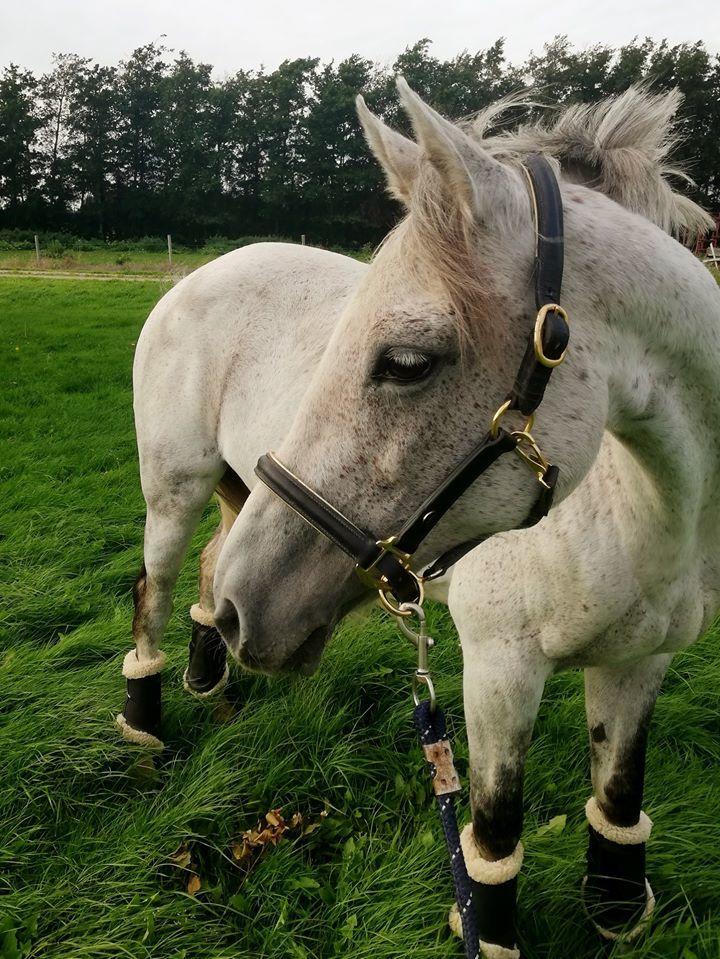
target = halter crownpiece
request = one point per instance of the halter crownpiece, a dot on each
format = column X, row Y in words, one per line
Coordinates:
column 385, row 564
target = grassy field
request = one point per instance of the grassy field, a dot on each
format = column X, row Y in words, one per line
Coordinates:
column 130, row 262
column 98, row 848
column 103, row 261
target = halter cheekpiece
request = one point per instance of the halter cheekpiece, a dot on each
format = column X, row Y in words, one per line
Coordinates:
column 385, row 564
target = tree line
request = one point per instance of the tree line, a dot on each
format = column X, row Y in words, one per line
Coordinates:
column 156, row 144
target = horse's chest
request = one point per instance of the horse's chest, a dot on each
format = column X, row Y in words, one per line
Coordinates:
column 665, row 622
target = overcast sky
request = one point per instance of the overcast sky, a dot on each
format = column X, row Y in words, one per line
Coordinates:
column 232, row 34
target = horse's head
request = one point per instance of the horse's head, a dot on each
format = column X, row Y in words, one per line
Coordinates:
column 420, row 360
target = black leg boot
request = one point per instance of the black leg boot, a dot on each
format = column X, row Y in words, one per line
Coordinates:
column 616, row 893
column 207, row 671
column 494, row 898
column 141, row 716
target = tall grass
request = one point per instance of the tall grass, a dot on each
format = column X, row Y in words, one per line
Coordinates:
column 88, row 828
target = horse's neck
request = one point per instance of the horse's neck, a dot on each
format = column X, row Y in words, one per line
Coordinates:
column 660, row 348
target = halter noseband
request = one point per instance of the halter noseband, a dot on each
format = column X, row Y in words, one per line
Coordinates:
column 385, row 564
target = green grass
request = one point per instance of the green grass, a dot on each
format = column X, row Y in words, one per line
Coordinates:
column 107, row 260
column 87, row 828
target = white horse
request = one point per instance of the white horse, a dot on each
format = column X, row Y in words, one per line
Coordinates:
column 373, row 381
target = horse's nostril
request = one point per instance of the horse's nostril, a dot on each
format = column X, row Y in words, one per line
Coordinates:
column 228, row 622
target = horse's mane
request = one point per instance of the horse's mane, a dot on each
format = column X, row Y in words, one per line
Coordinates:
column 619, row 146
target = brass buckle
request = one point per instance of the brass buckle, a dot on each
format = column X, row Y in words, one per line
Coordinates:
column 372, row 578
column 375, row 580
column 537, row 336
column 388, row 546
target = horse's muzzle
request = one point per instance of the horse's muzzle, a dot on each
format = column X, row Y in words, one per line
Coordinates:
column 273, row 659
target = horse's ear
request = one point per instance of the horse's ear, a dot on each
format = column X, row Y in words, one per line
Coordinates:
column 397, row 155
column 489, row 190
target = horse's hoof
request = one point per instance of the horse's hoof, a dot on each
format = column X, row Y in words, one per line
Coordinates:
column 140, row 719
column 622, row 933
column 201, row 693
column 207, row 671
column 488, row 950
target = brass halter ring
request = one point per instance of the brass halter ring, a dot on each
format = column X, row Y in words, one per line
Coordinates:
column 401, row 610
column 537, row 336
column 372, row 577
column 499, row 413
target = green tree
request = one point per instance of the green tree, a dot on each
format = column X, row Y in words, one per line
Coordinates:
column 19, row 124
column 561, row 75
column 140, row 87
column 696, row 74
column 139, row 110
column 92, row 143
column 56, row 90
column 343, row 190
column 187, row 181
column 629, row 65
column 158, row 144
column 287, row 98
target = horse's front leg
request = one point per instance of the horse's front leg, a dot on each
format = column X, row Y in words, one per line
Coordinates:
column 619, row 703
column 503, row 684
column 173, row 512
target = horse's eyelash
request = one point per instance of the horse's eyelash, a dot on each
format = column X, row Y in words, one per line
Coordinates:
column 405, row 357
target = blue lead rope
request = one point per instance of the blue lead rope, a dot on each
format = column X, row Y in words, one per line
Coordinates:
column 431, row 729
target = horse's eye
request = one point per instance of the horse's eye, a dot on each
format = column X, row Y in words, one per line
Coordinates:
column 403, row 365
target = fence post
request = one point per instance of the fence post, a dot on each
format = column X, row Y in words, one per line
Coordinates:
column 37, row 249
column 169, row 239
column 302, row 239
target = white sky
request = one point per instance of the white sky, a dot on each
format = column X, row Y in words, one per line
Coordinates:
column 233, row 34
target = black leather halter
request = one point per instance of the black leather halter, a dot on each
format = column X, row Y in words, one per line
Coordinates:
column 386, row 563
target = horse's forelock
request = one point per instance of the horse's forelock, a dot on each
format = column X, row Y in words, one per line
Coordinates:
column 440, row 246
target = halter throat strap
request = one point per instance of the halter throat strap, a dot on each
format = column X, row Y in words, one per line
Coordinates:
column 386, row 563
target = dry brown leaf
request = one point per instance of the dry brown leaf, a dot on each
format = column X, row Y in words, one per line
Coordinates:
column 182, row 857
column 194, row 884
column 241, row 850
column 268, row 835
column 269, row 831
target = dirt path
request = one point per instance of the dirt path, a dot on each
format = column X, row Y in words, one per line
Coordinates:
column 72, row 275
